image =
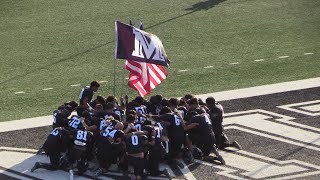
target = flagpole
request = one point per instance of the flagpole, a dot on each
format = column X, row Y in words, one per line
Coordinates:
column 122, row 81
column 127, row 89
column 115, row 60
column 114, row 77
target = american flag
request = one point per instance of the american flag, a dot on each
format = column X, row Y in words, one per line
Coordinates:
column 144, row 77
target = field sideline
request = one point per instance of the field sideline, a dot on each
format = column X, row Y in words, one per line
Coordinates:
column 14, row 125
column 214, row 45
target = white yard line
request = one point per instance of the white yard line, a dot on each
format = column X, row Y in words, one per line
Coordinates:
column 103, row 81
column 46, row 89
column 219, row 96
column 282, row 57
column 235, row 63
column 183, row 70
column 20, row 92
column 207, row 67
column 74, row 85
column 259, row 60
column 308, row 53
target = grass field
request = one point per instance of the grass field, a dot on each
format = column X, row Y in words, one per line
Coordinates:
column 55, row 44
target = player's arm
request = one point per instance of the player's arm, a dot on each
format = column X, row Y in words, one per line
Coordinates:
column 190, row 126
column 129, row 127
column 164, row 120
column 88, row 128
column 137, row 133
column 104, row 128
column 152, row 117
column 86, row 103
column 116, row 117
column 183, row 123
column 123, row 103
column 153, row 137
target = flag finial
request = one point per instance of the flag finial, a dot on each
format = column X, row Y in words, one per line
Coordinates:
column 130, row 22
column 140, row 25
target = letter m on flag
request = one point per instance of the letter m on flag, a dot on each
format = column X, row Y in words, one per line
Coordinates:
column 147, row 46
column 138, row 45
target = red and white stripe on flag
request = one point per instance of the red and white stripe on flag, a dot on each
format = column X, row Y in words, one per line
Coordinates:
column 144, row 77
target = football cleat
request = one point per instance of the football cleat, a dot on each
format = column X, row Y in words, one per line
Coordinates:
column 220, row 158
column 189, row 158
column 125, row 173
column 36, row 166
column 40, row 151
column 166, row 172
column 179, row 164
column 236, row 145
column 99, row 172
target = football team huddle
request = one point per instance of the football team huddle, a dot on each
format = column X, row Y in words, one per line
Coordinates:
column 140, row 133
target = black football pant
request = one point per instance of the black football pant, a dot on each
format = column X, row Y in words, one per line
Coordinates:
column 138, row 165
column 109, row 154
column 154, row 161
column 222, row 141
column 81, row 157
column 174, row 148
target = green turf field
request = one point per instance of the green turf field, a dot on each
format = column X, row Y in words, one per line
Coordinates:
column 58, row 43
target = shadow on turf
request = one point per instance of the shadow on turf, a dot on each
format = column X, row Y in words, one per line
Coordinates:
column 202, row 5
column 54, row 63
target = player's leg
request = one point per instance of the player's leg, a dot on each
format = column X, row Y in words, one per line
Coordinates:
column 53, row 165
column 154, row 161
column 124, row 163
column 82, row 164
column 174, row 151
column 104, row 164
column 139, row 166
column 189, row 139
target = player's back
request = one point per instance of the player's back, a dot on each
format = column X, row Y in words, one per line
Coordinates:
column 175, row 129
column 135, row 144
column 74, row 123
column 82, row 138
column 55, row 139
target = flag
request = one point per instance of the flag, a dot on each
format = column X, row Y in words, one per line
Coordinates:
column 138, row 45
column 144, row 77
